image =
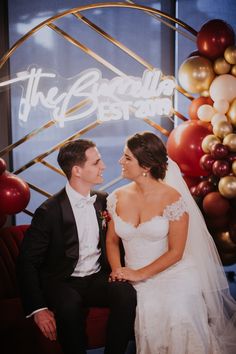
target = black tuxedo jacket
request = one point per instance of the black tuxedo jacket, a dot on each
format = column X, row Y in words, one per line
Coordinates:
column 50, row 249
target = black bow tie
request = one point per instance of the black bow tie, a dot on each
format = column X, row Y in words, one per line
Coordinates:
column 86, row 201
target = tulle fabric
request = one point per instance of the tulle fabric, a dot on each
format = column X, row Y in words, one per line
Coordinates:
column 200, row 247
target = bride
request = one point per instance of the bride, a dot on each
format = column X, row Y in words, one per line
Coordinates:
column 183, row 300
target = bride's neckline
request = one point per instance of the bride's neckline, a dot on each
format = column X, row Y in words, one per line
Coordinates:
column 141, row 223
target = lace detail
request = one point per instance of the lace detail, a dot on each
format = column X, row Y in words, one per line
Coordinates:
column 111, row 204
column 175, row 210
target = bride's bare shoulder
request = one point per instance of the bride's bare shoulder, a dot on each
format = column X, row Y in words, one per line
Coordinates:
column 123, row 191
column 170, row 193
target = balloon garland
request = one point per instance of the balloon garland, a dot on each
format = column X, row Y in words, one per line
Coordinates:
column 205, row 146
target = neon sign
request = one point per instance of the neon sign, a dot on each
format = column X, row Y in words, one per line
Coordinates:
column 114, row 99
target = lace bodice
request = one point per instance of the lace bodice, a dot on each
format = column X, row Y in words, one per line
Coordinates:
column 147, row 241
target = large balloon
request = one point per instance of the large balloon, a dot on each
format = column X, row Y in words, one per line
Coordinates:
column 196, row 103
column 214, row 37
column 214, row 204
column 196, row 74
column 14, row 194
column 223, row 87
column 184, row 146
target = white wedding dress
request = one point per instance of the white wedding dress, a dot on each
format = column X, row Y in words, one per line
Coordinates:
column 171, row 315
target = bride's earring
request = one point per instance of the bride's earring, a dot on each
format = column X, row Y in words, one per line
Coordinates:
column 144, row 174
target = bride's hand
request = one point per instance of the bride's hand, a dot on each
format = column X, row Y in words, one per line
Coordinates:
column 131, row 274
column 117, row 275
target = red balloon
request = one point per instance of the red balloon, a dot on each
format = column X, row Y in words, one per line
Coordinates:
column 14, row 194
column 219, row 151
column 191, row 181
column 206, row 162
column 184, row 146
column 204, row 188
column 3, row 166
column 3, row 219
column 221, row 168
column 214, row 204
column 196, row 103
column 214, row 37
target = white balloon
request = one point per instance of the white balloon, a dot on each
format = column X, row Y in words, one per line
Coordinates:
column 221, row 106
column 205, row 112
column 223, row 87
column 218, row 117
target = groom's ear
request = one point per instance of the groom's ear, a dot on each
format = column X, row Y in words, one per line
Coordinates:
column 76, row 171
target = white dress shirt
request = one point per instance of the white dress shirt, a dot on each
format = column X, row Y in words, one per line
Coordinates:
column 88, row 233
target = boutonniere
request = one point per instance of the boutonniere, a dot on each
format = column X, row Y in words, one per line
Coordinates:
column 105, row 217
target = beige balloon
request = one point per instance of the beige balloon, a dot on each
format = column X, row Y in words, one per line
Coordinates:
column 233, row 70
column 223, row 87
column 232, row 113
column 196, row 74
column 234, row 167
column 222, row 128
column 227, row 187
column 230, row 141
column 221, row 66
column 230, row 54
column 208, row 142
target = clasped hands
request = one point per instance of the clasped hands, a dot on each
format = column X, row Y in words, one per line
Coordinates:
column 125, row 274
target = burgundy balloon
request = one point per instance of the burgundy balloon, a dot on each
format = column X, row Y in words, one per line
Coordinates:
column 14, row 194
column 3, row 166
column 184, row 146
column 221, row 168
column 232, row 157
column 219, row 151
column 214, row 204
column 214, row 37
column 204, row 188
column 206, row 162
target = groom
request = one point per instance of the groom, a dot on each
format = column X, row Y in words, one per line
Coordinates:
column 62, row 265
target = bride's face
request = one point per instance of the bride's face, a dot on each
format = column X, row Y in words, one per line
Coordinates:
column 130, row 166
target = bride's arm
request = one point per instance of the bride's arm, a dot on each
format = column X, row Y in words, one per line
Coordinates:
column 113, row 252
column 177, row 237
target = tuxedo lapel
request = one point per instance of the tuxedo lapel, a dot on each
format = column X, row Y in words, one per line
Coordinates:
column 69, row 231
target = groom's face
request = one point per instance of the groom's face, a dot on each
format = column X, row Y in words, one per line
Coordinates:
column 92, row 171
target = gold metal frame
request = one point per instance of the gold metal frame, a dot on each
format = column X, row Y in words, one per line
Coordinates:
column 157, row 14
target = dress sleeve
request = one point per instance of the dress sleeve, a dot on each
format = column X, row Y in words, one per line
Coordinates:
column 111, row 204
column 175, row 210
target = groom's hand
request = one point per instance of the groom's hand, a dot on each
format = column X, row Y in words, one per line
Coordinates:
column 45, row 320
column 117, row 275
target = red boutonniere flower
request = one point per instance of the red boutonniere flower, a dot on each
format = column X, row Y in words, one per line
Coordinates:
column 104, row 215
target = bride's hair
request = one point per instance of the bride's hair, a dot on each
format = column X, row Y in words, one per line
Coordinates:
column 150, row 152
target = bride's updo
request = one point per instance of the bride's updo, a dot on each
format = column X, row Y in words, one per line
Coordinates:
column 150, row 152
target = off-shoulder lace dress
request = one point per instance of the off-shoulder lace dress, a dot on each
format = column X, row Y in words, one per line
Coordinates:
column 171, row 315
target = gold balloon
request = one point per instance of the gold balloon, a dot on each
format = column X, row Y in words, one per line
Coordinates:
column 230, row 54
column 233, row 70
column 222, row 128
column 208, row 142
column 234, row 167
column 227, row 187
column 232, row 113
column 196, row 74
column 221, row 66
column 230, row 141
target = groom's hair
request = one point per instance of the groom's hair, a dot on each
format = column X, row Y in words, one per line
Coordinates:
column 150, row 152
column 73, row 153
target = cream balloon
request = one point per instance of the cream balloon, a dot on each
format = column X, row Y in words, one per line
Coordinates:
column 218, row 117
column 221, row 106
column 227, row 187
column 221, row 129
column 230, row 141
column 223, row 87
column 196, row 74
column 208, row 142
column 231, row 114
column 205, row 112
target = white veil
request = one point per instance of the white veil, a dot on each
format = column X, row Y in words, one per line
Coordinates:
column 201, row 247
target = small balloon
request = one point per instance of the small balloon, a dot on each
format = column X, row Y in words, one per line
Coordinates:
column 231, row 114
column 205, row 112
column 221, row 106
column 3, row 166
column 221, row 66
column 204, row 188
column 230, row 141
column 224, row 242
column 219, row 151
column 221, row 168
column 196, row 74
column 234, row 167
column 196, row 103
column 221, row 129
column 208, row 142
column 230, row 54
column 206, row 162
column 218, row 117
column 233, row 70
column 223, row 87
column 227, row 187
